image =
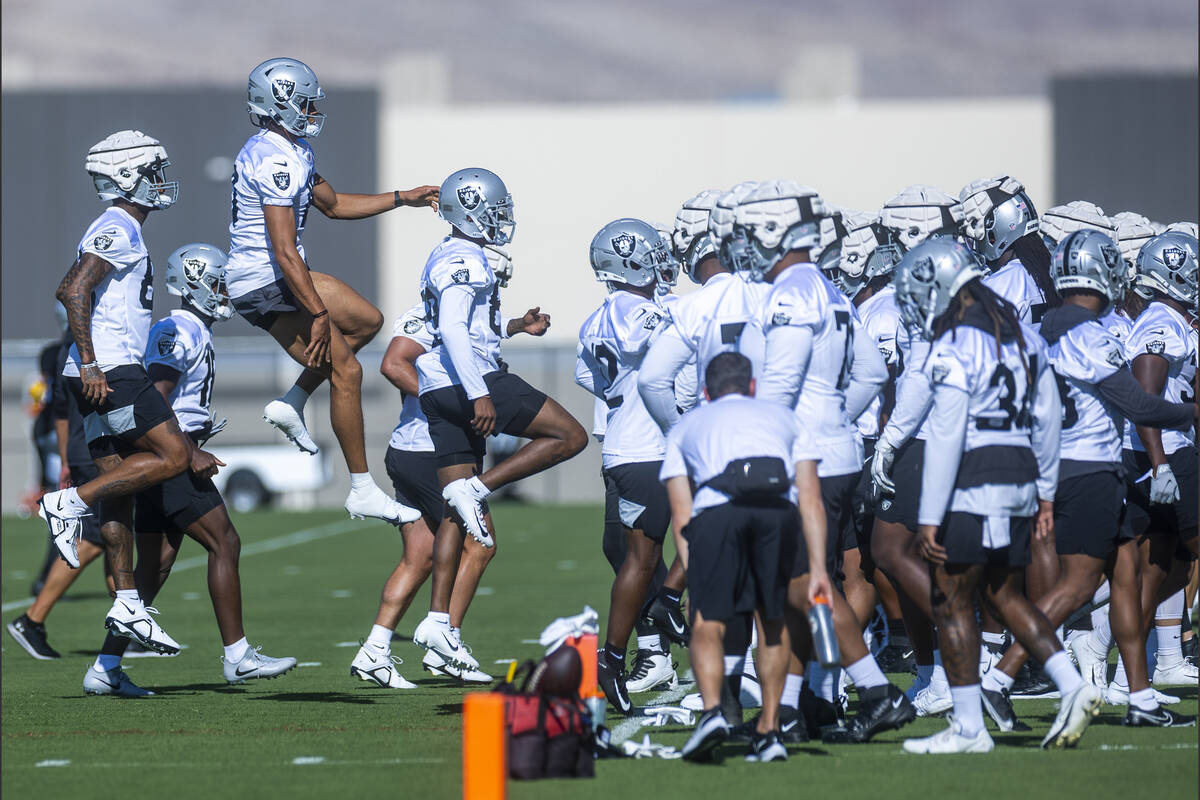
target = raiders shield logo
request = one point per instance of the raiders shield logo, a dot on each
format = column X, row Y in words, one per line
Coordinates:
column 939, row 373
column 652, row 321
column 469, row 197
column 922, row 270
column 1115, row 357
column 1156, row 348
column 166, row 344
column 780, row 318
column 282, row 180
column 412, row 326
column 623, row 245
column 460, row 275
column 193, row 268
column 283, row 89
column 1174, row 257
column 102, row 242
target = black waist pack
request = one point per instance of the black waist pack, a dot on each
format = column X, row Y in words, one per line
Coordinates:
column 750, row 480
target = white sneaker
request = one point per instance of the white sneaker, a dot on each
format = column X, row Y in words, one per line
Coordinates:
column 917, row 687
column 1074, row 715
column 64, row 523
column 114, row 682
column 439, row 637
column 1092, row 666
column 378, row 666
column 987, row 659
column 373, row 502
column 652, row 669
column 291, row 423
column 951, row 740
column 463, row 499
column 933, row 700
column 1117, row 695
column 1182, row 674
column 133, row 621
column 255, row 665
column 436, row 665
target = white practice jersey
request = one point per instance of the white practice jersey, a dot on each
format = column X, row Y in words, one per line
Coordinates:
column 122, row 302
column 612, row 343
column 1091, row 428
column 412, row 431
column 880, row 318
column 1014, row 283
column 1162, row 331
column 184, row 343
column 269, row 171
column 1118, row 325
column 912, row 351
column 801, row 297
column 460, row 290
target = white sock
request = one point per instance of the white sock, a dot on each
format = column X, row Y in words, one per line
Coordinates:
column 734, row 664
column 1100, row 639
column 939, row 672
column 381, row 637
column 1101, row 595
column 1171, row 608
column 105, row 663
column 968, row 708
column 791, row 690
column 1063, row 673
column 1143, row 699
column 129, row 596
column 237, row 651
column 996, row 681
column 652, row 642
column 865, row 674
column 478, row 488
column 1119, row 677
column 1060, row 633
column 71, row 496
column 996, row 639
column 1169, row 651
column 362, row 482
column 441, row 617
column 296, row 398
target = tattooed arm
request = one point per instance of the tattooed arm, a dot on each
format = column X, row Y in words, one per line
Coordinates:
column 75, row 292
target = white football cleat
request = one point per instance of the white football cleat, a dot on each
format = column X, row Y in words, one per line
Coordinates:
column 378, row 666
column 65, row 526
column 440, row 638
column 1118, row 695
column 255, row 665
column 462, row 499
column 1092, row 666
column 374, row 503
column 114, row 682
column 1074, row 715
column 291, row 423
column 933, row 700
column 436, row 665
column 133, row 621
column 951, row 740
column 1183, row 673
column 652, row 669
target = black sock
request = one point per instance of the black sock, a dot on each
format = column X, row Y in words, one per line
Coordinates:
column 874, row 693
column 670, row 596
column 616, row 658
column 897, row 634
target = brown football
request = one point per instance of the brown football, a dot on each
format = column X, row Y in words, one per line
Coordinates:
column 558, row 674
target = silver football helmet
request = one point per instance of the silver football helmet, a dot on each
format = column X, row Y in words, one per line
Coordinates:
column 928, row 278
column 501, row 263
column 285, row 91
column 129, row 165
column 477, row 203
column 920, row 212
column 690, row 239
column 1189, row 228
column 1167, row 264
column 996, row 213
column 1088, row 259
column 197, row 272
column 629, row 251
column 773, row 219
column 668, row 275
column 1058, row 222
column 720, row 222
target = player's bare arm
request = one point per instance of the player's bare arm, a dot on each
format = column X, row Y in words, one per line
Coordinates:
column 1151, row 372
column 341, row 205
column 281, row 228
column 75, row 292
column 398, row 364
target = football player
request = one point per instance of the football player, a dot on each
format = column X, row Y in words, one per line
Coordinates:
column 133, row 436
column 987, row 484
column 179, row 360
column 467, row 395
column 317, row 319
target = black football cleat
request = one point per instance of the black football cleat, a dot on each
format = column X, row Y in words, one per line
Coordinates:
column 1158, row 718
column 817, row 713
column 793, row 729
column 670, row 621
column 711, row 730
column 891, row 711
column 999, row 708
column 896, row 658
column 767, row 747
column 1032, row 681
column 32, row 637
column 612, row 683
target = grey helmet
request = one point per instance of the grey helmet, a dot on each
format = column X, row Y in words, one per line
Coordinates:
column 1167, row 264
column 129, row 165
column 1133, row 231
column 720, row 221
column 920, row 212
column 770, row 221
column 1189, row 228
column 283, row 91
column 668, row 275
column 828, row 256
column 197, row 272
column 501, row 264
column 629, row 251
column 1077, row 215
column 928, row 278
column 996, row 213
column 477, row 203
column 690, row 239
column 1088, row 259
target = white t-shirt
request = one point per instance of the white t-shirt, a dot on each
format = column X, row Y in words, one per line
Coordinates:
column 184, row 343
column 1162, row 331
column 1091, row 428
column 412, row 431
column 1014, row 283
column 122, row 302
column 270, row 170
column 880, row 319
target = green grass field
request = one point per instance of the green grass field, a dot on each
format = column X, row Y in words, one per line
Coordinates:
column 311, row 583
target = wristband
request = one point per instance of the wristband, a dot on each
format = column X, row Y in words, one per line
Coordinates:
column 322, row 313
column 396, row 199
column 95, row 364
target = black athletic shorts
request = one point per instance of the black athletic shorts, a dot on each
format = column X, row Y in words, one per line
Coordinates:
column 1088, row 511
column 415, row 481
column 81, row 474
column 1178, row 519
column 634, row 499
column 261, row 306
column 740, row 559
column 132, row 408
column 449, row 413
column 962, row 536
column 906, row 474
column 837, row 493
column 173, row 505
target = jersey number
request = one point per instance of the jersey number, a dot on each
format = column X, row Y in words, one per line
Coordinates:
column 842, row 320
column 1070, row 414
column 731, row 332
column 605, row 356
column 494, row 311
column 233, row 194
column 147, row 292
column 210, row 374
column 1002, row 379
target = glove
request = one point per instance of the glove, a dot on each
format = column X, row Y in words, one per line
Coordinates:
column 881, row 466
column 557, row 632
column 1164, row 489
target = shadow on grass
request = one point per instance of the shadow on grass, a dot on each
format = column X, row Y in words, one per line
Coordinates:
column 449, row 709
column 315, row 697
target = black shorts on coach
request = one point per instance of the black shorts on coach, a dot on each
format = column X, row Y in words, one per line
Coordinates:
column 415, row 481
column 450, row 412
column 962, row 536
column 1088, row 514
column 262, row 306
column 132, row 409
column 634, row 499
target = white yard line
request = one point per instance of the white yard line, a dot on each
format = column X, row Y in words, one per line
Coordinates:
column 628, row 727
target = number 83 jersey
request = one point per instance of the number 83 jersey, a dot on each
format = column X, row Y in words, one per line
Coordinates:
column 612, row 343
column 1082, row 357
column 184, row 343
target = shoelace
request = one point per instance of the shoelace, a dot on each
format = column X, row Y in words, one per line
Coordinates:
column 387, row 653
column 642, row 664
